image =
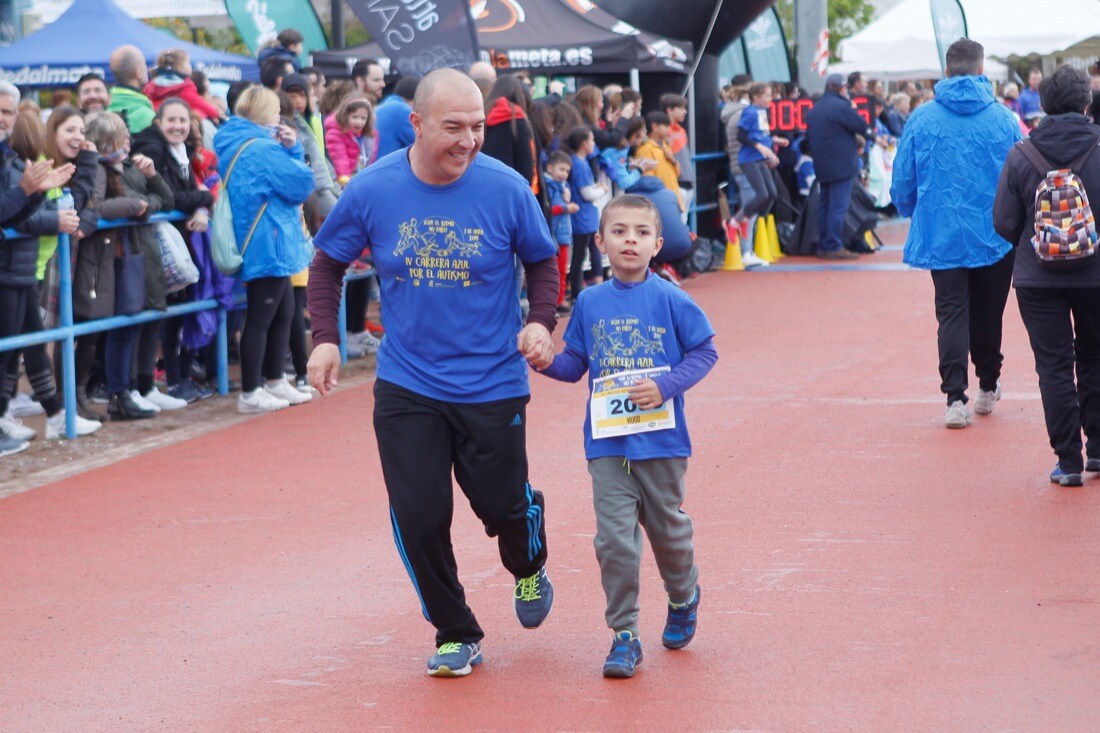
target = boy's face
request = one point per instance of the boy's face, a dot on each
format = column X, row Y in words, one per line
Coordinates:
column 660, row 133
column 629, row 239
column 677, row 114
column 589, row 146
column 559, row 171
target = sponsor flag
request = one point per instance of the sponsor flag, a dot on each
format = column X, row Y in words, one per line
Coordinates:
column 421, row 35
column 766, row 48
column 259, row 22
column 949, row 23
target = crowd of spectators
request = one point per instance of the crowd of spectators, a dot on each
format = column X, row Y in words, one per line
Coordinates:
column 298, row 139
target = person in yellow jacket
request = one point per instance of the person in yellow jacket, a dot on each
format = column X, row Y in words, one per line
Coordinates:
column 658, row 149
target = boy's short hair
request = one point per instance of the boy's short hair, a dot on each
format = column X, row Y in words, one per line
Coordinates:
column 657, row 118
column 559, row 157
column 673, row 101
column 758, row 89
column 577, row 137
column 1066, row 90
column 289, row 36
column 631, row 201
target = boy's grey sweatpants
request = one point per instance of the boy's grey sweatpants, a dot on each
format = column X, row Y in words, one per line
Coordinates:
column 629, row 495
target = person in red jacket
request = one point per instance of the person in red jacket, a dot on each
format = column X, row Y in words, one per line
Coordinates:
column 172, row 78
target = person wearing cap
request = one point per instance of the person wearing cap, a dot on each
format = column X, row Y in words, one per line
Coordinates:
column 946, row 170
column 297, row 87
column 391, row 118
column 836, row 134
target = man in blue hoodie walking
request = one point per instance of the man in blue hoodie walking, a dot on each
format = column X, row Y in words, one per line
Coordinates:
column 945, row 177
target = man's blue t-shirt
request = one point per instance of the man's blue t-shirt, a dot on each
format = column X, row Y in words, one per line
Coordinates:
column 395, row 129
column 650, row 325
column 445, row 257
column 587, row 218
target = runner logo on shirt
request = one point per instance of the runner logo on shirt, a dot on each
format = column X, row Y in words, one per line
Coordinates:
column 622, row 344
column 436, row 255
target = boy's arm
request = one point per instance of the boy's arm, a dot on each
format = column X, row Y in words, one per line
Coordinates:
column 568, row 366
column 697, row 364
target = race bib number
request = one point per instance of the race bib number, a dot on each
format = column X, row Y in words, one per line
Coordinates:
column 613, row 413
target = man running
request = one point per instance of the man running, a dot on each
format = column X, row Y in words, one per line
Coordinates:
column 444, row 226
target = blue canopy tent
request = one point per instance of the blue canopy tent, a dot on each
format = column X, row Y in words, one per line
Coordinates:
column 81, row 41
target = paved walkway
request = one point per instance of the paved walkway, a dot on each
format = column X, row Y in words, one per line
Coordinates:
column 863, row 568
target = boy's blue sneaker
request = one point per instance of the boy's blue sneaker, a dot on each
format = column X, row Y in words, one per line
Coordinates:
column 680, row 624
column 1092, row 465
column 1058, row 476
column 453, row 659
column 625, row 655
column 534, row 597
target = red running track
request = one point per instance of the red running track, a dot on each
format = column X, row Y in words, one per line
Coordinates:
column 863, row 567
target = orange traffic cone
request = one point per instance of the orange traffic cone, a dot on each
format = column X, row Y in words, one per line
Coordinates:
column 733, row 262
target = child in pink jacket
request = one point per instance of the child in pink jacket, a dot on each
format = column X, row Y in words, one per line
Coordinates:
column 350, row 139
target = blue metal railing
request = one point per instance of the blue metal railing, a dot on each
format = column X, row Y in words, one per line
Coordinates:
column 67, row 332
column 697, row 208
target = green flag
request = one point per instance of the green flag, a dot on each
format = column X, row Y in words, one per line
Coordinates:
column 949, row 23
column 259, row 22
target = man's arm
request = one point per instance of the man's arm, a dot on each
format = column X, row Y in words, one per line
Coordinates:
column 326, row 283
column 534, row 340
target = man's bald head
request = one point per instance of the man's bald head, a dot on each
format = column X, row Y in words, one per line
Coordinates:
column 483, row 70
column 128, row 66
column 442, row 83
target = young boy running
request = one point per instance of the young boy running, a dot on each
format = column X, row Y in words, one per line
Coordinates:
column 643, row 343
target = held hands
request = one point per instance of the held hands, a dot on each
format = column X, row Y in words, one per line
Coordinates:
column 646, row 394
column 536, row 345
column 324, row 368
column 572, row 208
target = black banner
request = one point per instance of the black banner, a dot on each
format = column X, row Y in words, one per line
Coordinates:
column 421, row 35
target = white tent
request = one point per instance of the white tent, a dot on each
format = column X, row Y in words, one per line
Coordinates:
column 901, row 44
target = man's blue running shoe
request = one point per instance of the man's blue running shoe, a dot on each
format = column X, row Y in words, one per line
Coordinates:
column 625, row 655
column 454, row 659
column 534, row 597
column 1058, row 476
column 680, row 624
column 1092, row 465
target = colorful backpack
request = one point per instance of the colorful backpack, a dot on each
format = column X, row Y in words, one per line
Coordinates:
column 1065, row 231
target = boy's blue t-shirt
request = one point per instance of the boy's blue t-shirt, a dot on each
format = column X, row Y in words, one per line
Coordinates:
column 587, row 218
column 445, row 257
column 650, row 325
column 561, row 226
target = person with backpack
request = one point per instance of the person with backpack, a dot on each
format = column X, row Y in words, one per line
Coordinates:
column 1057, row 270
column 945, row 178
column 266, row 194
